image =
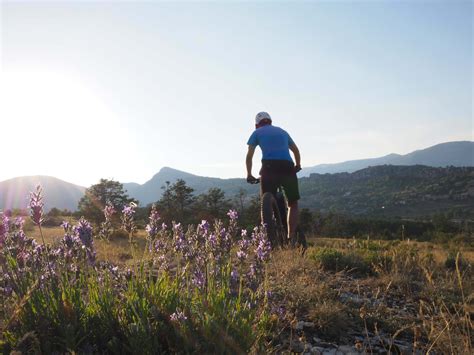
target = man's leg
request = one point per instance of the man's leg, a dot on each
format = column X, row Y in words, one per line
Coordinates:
column 292, row 221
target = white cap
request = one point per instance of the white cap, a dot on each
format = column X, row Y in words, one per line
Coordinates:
column 262, row 116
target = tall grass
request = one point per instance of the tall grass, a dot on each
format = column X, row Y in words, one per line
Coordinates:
column 200, row 290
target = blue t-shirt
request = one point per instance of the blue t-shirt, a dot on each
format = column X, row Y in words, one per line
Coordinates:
column 273, row 141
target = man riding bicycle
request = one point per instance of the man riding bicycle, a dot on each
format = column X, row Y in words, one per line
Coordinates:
column 278, row 168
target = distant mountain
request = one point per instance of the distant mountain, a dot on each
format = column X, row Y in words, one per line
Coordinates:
column 14, row 193
column 445, row 154
column 392, row 191
column 151, row 191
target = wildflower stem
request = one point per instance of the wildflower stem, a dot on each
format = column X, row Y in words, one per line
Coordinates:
column 41, row 233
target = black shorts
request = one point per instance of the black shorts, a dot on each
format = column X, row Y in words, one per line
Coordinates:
column 276, row 173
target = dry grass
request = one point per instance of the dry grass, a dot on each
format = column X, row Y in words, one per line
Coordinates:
column 117, row 250
column 413, row 297
column 439, row 252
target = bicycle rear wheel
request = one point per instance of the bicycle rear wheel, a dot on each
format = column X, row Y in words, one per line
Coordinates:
column 272, row 219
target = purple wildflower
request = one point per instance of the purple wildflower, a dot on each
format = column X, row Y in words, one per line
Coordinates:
column 212, row 242
column 263, row 250
column 67, row 226
column 233, row 215
column 106, row 226
column 198, row 279
column 109, row 211
column 128, row 213
column 261, row 242
column 243, row 249
column 36, row 205
column 18, row 223
column 83, row 230
column 204, row 226
column 178, row 316
column 152, row 228
column 179, row 238
column 234, row 275
column 4, row 226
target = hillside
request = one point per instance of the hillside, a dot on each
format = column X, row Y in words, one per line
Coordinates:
column 401, row 187
column 440, row 155
column 388, row 191
column 151, row 191
column 14, row 193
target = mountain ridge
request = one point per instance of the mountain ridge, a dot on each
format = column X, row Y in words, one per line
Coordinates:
column 456, row 153
column 14, row 192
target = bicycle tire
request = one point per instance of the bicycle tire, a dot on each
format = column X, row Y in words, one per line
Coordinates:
column 272, row 219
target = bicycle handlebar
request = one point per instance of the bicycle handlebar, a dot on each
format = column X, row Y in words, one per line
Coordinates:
column 253, row 182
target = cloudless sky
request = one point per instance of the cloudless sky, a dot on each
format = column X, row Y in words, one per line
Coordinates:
column 118, row 90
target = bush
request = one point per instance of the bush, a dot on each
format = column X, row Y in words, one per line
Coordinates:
column 333, row 260
column 53, row 221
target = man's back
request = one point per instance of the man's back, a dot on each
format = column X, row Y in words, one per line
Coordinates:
column 273, row 141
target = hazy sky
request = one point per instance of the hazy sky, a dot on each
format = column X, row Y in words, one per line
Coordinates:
column 118, row 90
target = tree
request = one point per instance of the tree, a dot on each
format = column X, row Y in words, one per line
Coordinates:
column 306, row 221
column 111, row 192
column 240, row 200
column 213, row 204
column 252, row 216
column 54, row 212
column 176, row 202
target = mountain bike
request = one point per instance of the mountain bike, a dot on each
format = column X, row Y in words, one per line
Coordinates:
column 273, row 211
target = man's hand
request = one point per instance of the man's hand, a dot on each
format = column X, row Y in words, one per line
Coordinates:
column 297, row 168
column 252, row 180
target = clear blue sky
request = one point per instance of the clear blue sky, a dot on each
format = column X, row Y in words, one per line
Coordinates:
column 121, row 89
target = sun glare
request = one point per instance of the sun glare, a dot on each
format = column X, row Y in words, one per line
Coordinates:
column 48, row 120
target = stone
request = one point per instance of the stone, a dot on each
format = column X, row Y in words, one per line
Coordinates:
column 302, row 324
column 346, row 349
column 297, row 346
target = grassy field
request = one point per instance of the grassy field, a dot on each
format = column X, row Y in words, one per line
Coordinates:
column 117, row 250
column 347, row 295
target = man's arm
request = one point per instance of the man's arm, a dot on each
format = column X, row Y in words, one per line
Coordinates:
column 296, row 153
column 248, row 161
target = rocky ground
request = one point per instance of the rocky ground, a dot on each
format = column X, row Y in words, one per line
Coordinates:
column 345, row 313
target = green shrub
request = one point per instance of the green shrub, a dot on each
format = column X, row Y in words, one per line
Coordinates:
column 333, row 260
